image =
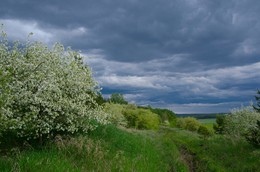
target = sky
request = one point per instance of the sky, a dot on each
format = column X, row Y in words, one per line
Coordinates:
column 190, row 56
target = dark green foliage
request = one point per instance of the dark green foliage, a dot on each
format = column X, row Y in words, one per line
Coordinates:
column 117, row 98
column 220, row 123
column 257, row 107
column 253, row 135
column 99, row 99
column 204, row 131
column 200, row 116
column 167, row 117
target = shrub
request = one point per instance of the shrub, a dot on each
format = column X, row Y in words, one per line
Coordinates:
column 257, row 98
column 50, row 91
column 141, row 118
column 115, row 113
column 240, row 121
column 204, row 131
column 188, row 123
column 191, row 124
column 167, row 117
column 117, row 98
column 253, row 134
column 220, row 124
column 180, row 123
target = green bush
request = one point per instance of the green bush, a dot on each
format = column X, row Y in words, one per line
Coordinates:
column 253, row 135
column 141, row 118
column 204, row 131
column 257, row 98
column 180, row 123
column 115, row 113
column 188, row 123
column 117, row 98
column 220, row 124
column 167, row 117
column 191, row 124
column 50, row 91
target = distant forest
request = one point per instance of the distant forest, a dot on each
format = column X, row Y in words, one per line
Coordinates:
column 201, row 116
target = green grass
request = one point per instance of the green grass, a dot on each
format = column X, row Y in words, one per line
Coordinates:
column 171, row 153
column 217, row 153
column 155, row 151
column 105, row 149
column 40, row 161
column 134, row 151
column 112, row 149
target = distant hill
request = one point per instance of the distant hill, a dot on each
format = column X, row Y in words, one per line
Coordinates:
column 201, row 116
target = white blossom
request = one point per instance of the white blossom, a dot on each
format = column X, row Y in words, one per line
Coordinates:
column 50, row 90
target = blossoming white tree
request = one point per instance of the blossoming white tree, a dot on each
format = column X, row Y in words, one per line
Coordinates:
column 50, row 91
column 240, row 121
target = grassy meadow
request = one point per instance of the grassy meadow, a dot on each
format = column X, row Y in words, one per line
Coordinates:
column 111, row 148
column 106, row 149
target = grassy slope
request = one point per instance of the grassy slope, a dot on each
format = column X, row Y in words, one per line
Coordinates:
column 112, row 149
column 217, row 153
column 105, row 149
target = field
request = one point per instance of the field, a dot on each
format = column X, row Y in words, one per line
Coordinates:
column 208, row 122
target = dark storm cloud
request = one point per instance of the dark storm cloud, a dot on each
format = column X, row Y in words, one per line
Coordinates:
column 191, row 52
column 142, row 30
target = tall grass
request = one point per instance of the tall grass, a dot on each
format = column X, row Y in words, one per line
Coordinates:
column 217, row 153
column 40, row 161
column 109, row 148
column 171, row 154
column 118, row 150
column 105, row 149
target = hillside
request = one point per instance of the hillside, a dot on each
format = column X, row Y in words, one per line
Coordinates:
column 118, row 149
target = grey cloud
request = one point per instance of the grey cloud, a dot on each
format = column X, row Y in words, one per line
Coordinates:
column 218, row 84
column 48, row 36
column 189, row 51
column 144, row 30
column 206, row 107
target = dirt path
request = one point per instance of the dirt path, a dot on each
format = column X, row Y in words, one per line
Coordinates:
column 188, row 158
